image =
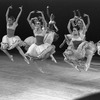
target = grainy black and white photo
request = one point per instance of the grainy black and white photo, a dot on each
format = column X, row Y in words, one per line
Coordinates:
column 49, row 50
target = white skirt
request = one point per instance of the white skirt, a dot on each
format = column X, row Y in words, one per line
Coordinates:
column 49, row 37
column 9, row 42
column 30, row 40
column 36, row 50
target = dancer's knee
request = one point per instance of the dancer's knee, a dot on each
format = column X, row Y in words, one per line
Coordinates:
column 4, row 46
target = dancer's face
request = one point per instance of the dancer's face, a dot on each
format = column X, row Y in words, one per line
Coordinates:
column 80, row 24
column 75, row 32
column 11, row 21
column 38, row 24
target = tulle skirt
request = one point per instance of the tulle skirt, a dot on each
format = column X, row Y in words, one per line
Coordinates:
column 40, row 50
column 10, row 42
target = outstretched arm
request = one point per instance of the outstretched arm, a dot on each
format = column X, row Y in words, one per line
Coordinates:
column 88, row 18
column 66, row 40
column 62, row 44
column 84, row 28
column 56, row 27
column 10, row 7
column 48, row 14
column 30, row 20
column 19, row 14
column 43, row 19
column 68, row 26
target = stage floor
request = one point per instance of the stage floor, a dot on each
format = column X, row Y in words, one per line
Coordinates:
column 20, row 81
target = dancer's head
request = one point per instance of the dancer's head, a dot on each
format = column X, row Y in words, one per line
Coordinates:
column 75, row 32
column 36, row 22
column 80, row 24
column 11, row 20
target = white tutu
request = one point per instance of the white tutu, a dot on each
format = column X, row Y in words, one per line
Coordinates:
column 49, row 37
column 30, row 40
column 9, row 42
column 35, row 50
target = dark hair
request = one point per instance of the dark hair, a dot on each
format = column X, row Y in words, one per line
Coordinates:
column 12, row 18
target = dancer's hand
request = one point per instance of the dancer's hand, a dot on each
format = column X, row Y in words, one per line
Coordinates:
column 47, row 7
column 10, row 7
column 32, row 12
column 85, row 15
column 39, row 12
column 21, row 7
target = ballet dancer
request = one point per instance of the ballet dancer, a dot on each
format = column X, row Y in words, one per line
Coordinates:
column 10, row 41
column 39, row 49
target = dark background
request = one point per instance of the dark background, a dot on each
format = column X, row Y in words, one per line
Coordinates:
column 63, row 11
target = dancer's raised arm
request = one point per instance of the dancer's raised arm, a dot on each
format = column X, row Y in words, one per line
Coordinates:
column 7, row 13
column 30, row 20
column 19, row 14
column 88, row 19
column 48, row 14
column 68, row 26
column 62, row 44
column 43, row 19
column 84, row 27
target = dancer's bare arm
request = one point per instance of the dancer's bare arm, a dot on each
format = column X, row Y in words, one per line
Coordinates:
column 69, row 26
column 43, row 19
column 7, row 12
column 88, row 19
column 19, row 14
column 30, row 20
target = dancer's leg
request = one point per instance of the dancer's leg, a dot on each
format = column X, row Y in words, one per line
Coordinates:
column 88, row 61
column 22, row 53
column 7, row 53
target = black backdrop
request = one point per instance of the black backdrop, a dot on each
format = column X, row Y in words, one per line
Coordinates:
column 63, row 11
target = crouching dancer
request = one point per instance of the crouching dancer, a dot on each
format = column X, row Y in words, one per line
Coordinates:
column 10, row 41
column 39, row 49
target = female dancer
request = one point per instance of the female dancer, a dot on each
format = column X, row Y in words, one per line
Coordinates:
column 78, row 48
column 82, row 31
column 10, row 41
column 52, row 29
column 83, row 27
column 39, row 49
column 31, row 39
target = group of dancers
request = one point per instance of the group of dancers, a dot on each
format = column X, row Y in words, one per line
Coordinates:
column 40, row 46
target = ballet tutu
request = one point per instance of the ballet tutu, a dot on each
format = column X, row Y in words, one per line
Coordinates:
column 39, row 50
column 76, row 53
column 49, row 37
column 30, row 40
column 10, row 42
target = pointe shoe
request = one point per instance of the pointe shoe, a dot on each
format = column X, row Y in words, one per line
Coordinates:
column 11, row 58
column 86, row 67
column 76, row 67
column 54, row 60
column 26, row 60
column 27, row 55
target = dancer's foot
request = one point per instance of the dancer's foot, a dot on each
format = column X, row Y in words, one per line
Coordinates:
column 76, row 67
column 11, row 58
column 86, row 67
column 26, row 60
column 53, row 59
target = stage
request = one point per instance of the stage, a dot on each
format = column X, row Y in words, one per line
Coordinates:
column 45, row 80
